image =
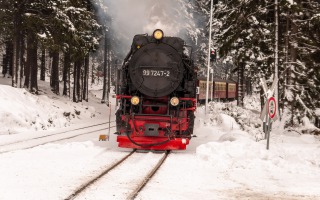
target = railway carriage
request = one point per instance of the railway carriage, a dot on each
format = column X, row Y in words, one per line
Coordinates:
column 219, row 89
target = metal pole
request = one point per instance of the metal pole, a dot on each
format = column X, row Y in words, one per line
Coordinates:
column 268, row 131
column 208, row 68
column 109, row 120
column 211, row 93
column 108, row 69
column 276, row 59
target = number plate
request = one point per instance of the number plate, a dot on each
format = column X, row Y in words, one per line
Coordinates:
column 151, row 72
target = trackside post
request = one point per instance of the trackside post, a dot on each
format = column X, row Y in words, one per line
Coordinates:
column 104, row 137
column 269, row 111
column 109, row 119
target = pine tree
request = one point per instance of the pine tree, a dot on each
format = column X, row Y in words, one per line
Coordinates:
column 304, row 50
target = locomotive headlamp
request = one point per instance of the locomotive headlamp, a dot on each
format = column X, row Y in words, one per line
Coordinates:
column 158, row 34
column 174, row 101
column 135, row 100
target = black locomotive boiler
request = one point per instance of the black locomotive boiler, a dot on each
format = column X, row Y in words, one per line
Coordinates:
column 157, row 94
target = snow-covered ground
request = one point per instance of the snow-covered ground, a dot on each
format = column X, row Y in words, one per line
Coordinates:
column 222, row 162
column 22, row 111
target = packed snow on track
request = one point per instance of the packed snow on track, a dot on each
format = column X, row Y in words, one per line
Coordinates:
column 222, row 162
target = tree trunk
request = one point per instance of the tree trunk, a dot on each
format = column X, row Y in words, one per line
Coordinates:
column 262, row 98
column 92, row 71
column 50, row 68
column 86, row 78
column 66, row 71
column 28, row 67
column 55, row 72
column 15, row 56
column 293, row 54
column 33, row 62
column 8, row 59
column 103, row 100
column 22, row 59
column 4, row 67
column 16, row 46
column 76, row 83
column 79, row 80
column 69, row 82
column 240, row 95
column 43, row 65
column 286, row 66
column 74, row 98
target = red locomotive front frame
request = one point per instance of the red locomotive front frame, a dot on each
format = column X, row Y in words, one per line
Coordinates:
column 157, row 127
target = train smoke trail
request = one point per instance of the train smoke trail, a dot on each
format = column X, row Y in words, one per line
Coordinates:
column 131, row 17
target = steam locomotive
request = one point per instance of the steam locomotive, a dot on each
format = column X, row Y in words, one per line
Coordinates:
column 157, row 94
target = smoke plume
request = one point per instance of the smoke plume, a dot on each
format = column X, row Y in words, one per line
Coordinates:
column 131, row 17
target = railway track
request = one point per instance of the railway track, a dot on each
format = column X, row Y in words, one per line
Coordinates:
column 37, row 141
column 147, row 178
column 114, row 177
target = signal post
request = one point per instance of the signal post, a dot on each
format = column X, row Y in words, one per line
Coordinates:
column 269, row 112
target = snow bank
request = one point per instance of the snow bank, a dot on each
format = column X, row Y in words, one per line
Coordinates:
column 292, row 163
column 232, row 117
column 20, row 111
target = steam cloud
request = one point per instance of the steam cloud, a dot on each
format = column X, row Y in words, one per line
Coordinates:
column 131, row 17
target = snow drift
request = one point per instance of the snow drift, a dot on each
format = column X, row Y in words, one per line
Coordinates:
column 20, row 111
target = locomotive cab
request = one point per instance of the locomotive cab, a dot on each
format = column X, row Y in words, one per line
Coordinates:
column 157, row 95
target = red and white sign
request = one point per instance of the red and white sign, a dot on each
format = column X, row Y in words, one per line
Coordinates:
column 272, row 107
column 268, row 92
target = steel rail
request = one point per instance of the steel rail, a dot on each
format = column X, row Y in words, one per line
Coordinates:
column 35, row 138
column 144, row 182
column 56, row 140
column 103, row 173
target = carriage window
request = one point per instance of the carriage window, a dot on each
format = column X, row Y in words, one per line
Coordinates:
column 232, row 87
column 220, row 86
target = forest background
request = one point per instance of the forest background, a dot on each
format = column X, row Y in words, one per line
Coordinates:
column 76, row 43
